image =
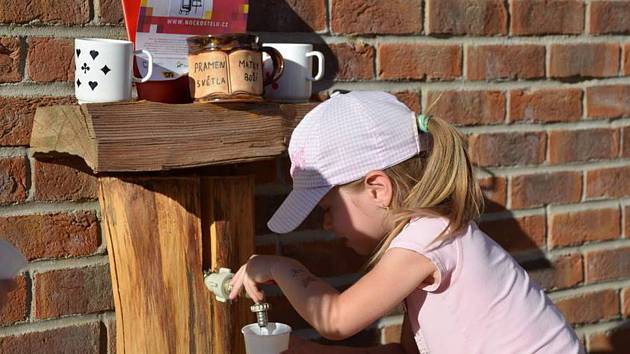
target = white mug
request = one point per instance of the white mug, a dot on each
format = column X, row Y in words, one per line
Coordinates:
column 103, row 69
column 295, row 84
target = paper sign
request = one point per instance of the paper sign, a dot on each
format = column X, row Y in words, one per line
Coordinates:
column 164, row 25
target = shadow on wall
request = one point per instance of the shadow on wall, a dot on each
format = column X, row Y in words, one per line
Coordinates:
column 615, row 341
column 275, row 21
column 509, row 233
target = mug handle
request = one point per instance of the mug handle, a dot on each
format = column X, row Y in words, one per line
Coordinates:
column 320, row 65
column 278, row 64
column 150, row 71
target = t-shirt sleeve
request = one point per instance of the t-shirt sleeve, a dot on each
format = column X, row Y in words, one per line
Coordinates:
column 418, row 235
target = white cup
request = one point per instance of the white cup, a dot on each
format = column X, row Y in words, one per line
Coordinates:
column 103, row 69
column 295, row 84
column 275, row 341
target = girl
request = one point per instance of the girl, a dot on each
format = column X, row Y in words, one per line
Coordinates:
column 401, row 188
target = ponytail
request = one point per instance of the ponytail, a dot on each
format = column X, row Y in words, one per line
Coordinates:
column 437, row 182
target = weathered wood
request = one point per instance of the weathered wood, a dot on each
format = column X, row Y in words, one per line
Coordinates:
column 162, row 232
column 150, row 136
column 154, row 241
column 228, row 214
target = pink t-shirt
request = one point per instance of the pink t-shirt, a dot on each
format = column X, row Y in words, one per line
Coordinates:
column 482, row 300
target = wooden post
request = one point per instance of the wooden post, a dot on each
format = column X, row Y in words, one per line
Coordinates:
column 228, row 211
column 162, row 232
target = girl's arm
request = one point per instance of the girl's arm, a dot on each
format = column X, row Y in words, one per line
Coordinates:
column 334, row 315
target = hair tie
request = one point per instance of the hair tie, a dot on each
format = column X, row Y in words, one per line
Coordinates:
column 423, row 122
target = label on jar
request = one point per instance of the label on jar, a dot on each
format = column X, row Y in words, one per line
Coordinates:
column 246, row 72
column 209, row 73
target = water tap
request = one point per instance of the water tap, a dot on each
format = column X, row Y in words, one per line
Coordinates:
column 219, row 283
column 260, row 310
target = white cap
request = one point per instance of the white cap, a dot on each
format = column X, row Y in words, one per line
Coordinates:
column 340, row 141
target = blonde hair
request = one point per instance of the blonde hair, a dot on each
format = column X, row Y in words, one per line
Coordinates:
column 438, row 182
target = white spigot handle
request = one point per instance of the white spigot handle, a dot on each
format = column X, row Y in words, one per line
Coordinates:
column 219, row 283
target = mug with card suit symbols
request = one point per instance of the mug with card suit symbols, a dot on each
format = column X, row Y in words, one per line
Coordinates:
column 295, row 84
column 103, row 69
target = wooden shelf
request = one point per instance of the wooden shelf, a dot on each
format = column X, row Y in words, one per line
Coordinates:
column 149, row 136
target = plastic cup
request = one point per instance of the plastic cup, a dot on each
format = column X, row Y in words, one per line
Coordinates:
column 274, row 341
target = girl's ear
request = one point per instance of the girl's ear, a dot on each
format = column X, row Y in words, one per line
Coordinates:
column 379, row 187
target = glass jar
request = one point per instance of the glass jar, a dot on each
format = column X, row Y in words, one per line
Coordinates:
column 229, row 67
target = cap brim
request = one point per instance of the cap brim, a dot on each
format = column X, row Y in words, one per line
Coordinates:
column 295, row 208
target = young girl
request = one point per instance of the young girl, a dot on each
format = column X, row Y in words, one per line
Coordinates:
column 401, row 188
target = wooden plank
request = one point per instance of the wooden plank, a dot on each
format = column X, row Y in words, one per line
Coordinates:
column 154, row 241
column 228, row 221
column 151, row 136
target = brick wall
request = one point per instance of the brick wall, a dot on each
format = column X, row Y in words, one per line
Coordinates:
column 540, row 88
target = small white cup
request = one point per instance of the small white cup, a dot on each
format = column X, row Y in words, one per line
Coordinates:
column 295, row 84
column 103, row 69
column 275, row 342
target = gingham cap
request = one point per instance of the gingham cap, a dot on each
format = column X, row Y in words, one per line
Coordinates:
column 340, row 141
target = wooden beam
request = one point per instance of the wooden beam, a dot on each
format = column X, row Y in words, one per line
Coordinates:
column 149, row 136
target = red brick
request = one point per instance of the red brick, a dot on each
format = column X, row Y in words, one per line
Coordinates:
column 494, row 192
column 111, row 11
column 507, row 149
column 473, row 17
column 608, row 17
column 558, row 273
column 419, row 61
column 13, row 180
column 52, row 235
column 575, row 228
column 607, row 183
column 583, row 145
column 536, row 17
column 352, row 62
column 625, row 145
column 73, row 291
column 63, row 179
column 50, row 60
column 626, row 217
column 287, row 16
column 67, row 12
column 467, row 107
column 311, row 254
column 625, row 308
column 14, row 300
column 84, row 338
column 607, row 264
column 595, row 60
column 491, row 62
column 16, row 117
column 517, row 234
column 391, row 334
column 608, row 101
column 10, row 59
column 625, row 65
column 410, row 99
column 530, row 191
column 590, row 307
column 614, row 341
column 545, row 105
column 373, row 16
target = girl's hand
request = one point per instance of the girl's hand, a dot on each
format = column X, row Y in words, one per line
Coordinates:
column 257, row 270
